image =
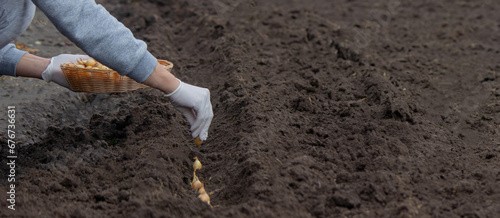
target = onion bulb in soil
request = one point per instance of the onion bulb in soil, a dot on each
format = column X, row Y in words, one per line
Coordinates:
column 202, row 189
column 204, row 197
column 196, row 164
column 197, row 184
column 197, row 141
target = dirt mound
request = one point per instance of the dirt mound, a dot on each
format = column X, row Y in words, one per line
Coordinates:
column 321, row 109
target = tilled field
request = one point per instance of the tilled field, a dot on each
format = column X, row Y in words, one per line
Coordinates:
column 322, row 109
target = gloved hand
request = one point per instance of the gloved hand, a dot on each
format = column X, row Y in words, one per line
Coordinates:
column 194, row 103
column 53, row 71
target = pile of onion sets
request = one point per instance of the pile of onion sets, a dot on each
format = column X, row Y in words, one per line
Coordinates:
column 87, row 64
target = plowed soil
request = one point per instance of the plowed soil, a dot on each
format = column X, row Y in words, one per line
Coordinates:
column 322, row 109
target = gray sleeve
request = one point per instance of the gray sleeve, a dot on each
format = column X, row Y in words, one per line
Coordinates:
column 9, row 57
column 92, row 28
column 15, row 16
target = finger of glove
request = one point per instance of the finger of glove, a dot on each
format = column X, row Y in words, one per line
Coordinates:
column 205, row 126
column 202, row 123
column 196, row 126
column 188, row 114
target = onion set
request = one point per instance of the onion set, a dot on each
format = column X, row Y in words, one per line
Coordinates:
column 197, row 141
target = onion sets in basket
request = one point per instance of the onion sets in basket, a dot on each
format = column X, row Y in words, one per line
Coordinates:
column 92, row 76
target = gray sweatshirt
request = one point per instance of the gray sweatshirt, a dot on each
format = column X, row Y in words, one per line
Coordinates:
column 87, row 24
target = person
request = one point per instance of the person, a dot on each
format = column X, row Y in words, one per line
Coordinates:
column 93, row 29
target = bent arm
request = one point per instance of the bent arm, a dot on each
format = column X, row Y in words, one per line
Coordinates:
column 92, row 28
column 103, row 37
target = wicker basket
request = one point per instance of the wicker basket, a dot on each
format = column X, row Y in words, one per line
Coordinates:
column 102, row 81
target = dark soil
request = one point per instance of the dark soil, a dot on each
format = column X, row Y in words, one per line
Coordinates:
column 322, row 109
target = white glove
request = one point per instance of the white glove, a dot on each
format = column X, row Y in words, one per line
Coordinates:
column 194, row 103
column 53, row 71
